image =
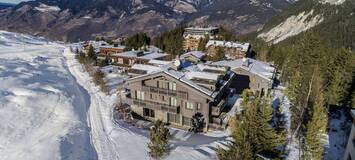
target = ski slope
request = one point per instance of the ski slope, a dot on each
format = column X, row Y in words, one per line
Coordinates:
column 42, row 108
column 50, row 109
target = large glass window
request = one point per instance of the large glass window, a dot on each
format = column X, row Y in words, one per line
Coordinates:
column 186, row 121
column 173, row 101
column 189, row 105
column 173, row 118
column 148, row 112
column 140, row 95
column 198, row 106
column 172, row 86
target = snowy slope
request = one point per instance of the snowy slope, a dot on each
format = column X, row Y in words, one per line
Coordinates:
column 42, row 109
column 291, row 26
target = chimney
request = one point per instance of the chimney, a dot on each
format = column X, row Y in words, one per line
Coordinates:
column 245, row 62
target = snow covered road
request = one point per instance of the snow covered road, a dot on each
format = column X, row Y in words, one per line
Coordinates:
column 111, row 142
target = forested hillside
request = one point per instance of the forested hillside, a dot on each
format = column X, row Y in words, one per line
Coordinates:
column 317, row 66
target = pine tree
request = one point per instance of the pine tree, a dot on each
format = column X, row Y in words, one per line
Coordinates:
column 316, row 129
column 294, row 93
column 91, row 53
column 253, row 134
column 198, row 123
column 159, row 139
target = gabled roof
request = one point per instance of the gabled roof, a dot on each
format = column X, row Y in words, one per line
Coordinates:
column 141, row 55
column 181, row 77
column 144, row 67
column 197, row 54
column 262, row 69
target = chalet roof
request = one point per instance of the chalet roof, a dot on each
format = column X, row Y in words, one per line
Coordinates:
column 113, row 47
column 159, row 62
column 202, row 75
column 243, row 46
column 153, row 55
column 259, row 68
column 144, row 67
column 140, row 54
column 197, row 54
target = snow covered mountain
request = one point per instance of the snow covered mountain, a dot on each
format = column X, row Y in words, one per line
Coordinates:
column 308, row 14
column 83, row 19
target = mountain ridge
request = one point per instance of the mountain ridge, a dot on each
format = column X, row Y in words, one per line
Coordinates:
column 71, row 20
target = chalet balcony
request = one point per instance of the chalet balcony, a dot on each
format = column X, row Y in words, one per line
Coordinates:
column 155, row 106
column 216, row 110
column 180, row 94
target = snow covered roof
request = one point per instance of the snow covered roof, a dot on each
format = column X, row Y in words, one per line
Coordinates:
column 144, row 67
column 243, row 46
column 153, row 55
column 112, row 46
column 260, row 68
column 185, row 76
column 140, row 54
column 182, row 77
column 197, row 54
column 159, row 62
column 202, row 75
column 205, row 67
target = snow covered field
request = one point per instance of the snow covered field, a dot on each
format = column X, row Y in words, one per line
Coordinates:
column 42, row 109
column 50, row 109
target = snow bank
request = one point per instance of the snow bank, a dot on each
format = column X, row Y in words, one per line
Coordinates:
column 291, row 26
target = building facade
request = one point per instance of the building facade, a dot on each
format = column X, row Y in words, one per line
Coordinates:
column 107, row 51
column 251, row 74
column 350, row 148
column 174, row 97
column 193, row 35
column 129, row 58
column 233, row 50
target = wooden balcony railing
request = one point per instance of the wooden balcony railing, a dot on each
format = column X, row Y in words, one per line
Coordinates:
column 180, row 94
column 156, row 106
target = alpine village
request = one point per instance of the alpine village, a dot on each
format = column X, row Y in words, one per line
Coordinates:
column 202, row 91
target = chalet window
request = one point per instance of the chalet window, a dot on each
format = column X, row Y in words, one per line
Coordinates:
column 151, row 96
column 186, row 121
column 163, row 98
column 172, row 86
column 173, row 118
column 140, row 95
column 189, row 105
column 198, row 106
column 173, row 101
column 161, row 84
column 148, row 112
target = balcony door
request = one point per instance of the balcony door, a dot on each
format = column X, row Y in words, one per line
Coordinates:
column 148, row 112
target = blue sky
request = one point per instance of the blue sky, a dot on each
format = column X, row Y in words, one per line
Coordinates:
column 12, row 1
